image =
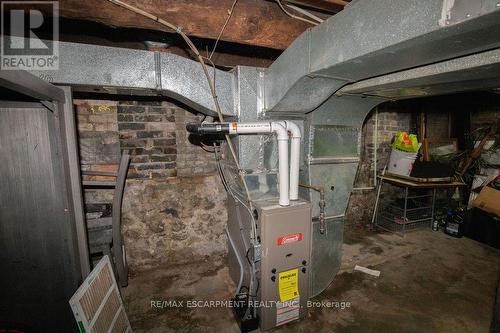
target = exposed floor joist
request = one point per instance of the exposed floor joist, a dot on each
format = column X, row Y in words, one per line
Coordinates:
column 254, row 22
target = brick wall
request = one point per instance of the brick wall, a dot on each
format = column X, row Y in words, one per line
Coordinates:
column 191, row 160
column 392, row 117
column 147, row 130
column 486, row 111
column 98, row 132
column 174, row 204
column 483, row 109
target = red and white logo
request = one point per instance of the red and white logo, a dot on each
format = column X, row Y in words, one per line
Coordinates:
column 289, row 238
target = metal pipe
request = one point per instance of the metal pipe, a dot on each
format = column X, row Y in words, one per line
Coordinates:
column 256, row 128
column 321, row 203
column 363, row 188
column 377, row 197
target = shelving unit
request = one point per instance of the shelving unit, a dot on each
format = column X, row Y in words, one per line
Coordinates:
column 400, row 209
column 406, row 204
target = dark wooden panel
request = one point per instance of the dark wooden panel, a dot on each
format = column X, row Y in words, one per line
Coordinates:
column 38, row 258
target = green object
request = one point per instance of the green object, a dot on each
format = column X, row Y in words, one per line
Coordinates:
column 81, row 327
column 406, row 142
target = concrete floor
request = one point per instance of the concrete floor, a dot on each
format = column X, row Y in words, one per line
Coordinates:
column 429, row 282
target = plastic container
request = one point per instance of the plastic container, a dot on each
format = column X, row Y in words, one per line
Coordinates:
column 401, row 162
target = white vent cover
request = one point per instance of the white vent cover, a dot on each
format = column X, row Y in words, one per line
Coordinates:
column 97, row 304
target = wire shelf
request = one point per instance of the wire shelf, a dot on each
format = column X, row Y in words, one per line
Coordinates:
column 400, row 209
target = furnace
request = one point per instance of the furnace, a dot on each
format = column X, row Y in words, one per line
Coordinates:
column 281, row 259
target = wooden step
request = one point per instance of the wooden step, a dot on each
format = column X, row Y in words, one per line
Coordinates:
column 93, row 183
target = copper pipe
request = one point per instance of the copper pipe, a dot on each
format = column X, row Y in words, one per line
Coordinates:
column 322, row 204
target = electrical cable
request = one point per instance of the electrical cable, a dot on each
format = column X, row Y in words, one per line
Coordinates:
column 230, row 13
column 232, row 193
column 234, row 196
column 206, row 147
column 246, row 255
column 240, row 261
column 305, row 12
column 211, row 84
column 227, row 186
column 290, row 14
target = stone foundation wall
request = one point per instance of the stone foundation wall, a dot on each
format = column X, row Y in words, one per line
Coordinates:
column 174, row 220
column 174, row 203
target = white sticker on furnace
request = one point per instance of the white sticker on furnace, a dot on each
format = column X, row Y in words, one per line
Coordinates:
column 287, row 311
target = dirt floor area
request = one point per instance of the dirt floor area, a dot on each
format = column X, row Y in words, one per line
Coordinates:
column 429, row 282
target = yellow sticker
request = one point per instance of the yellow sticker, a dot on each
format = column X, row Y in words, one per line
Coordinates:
column 288, row 284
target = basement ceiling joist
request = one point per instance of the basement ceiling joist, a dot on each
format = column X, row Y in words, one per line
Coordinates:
column 254, row 22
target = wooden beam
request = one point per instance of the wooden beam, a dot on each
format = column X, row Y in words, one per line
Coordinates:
column 254, row 22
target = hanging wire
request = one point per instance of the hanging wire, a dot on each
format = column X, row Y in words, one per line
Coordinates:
column 305, row 12
column 295, row 16
column 211, row 84
column 230, row 13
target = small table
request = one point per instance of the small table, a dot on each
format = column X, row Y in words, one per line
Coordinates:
column 399, row 213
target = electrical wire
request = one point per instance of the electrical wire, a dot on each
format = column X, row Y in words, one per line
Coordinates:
column 211, row 83
column 235, row 197
column 305, row 12
column 207, row 148
column 228, row 188
column 230, row 13
column 248, row 258
column 292, row 15
column 240, row 261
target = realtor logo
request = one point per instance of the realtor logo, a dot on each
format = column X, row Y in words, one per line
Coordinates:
column 23, row 24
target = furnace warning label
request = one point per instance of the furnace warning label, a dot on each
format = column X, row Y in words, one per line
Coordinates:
column 287, row 311
column 288, row 285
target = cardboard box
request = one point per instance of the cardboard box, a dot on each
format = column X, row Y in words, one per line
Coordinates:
column 488, row 200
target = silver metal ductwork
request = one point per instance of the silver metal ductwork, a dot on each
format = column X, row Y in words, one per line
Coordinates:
column 325, row 83
column 113, row 70
column 370, row 39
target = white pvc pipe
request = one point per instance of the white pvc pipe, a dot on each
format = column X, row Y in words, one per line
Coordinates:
column 294, row 159
column 284, row 184
column 250, row 128
column 280, row 129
